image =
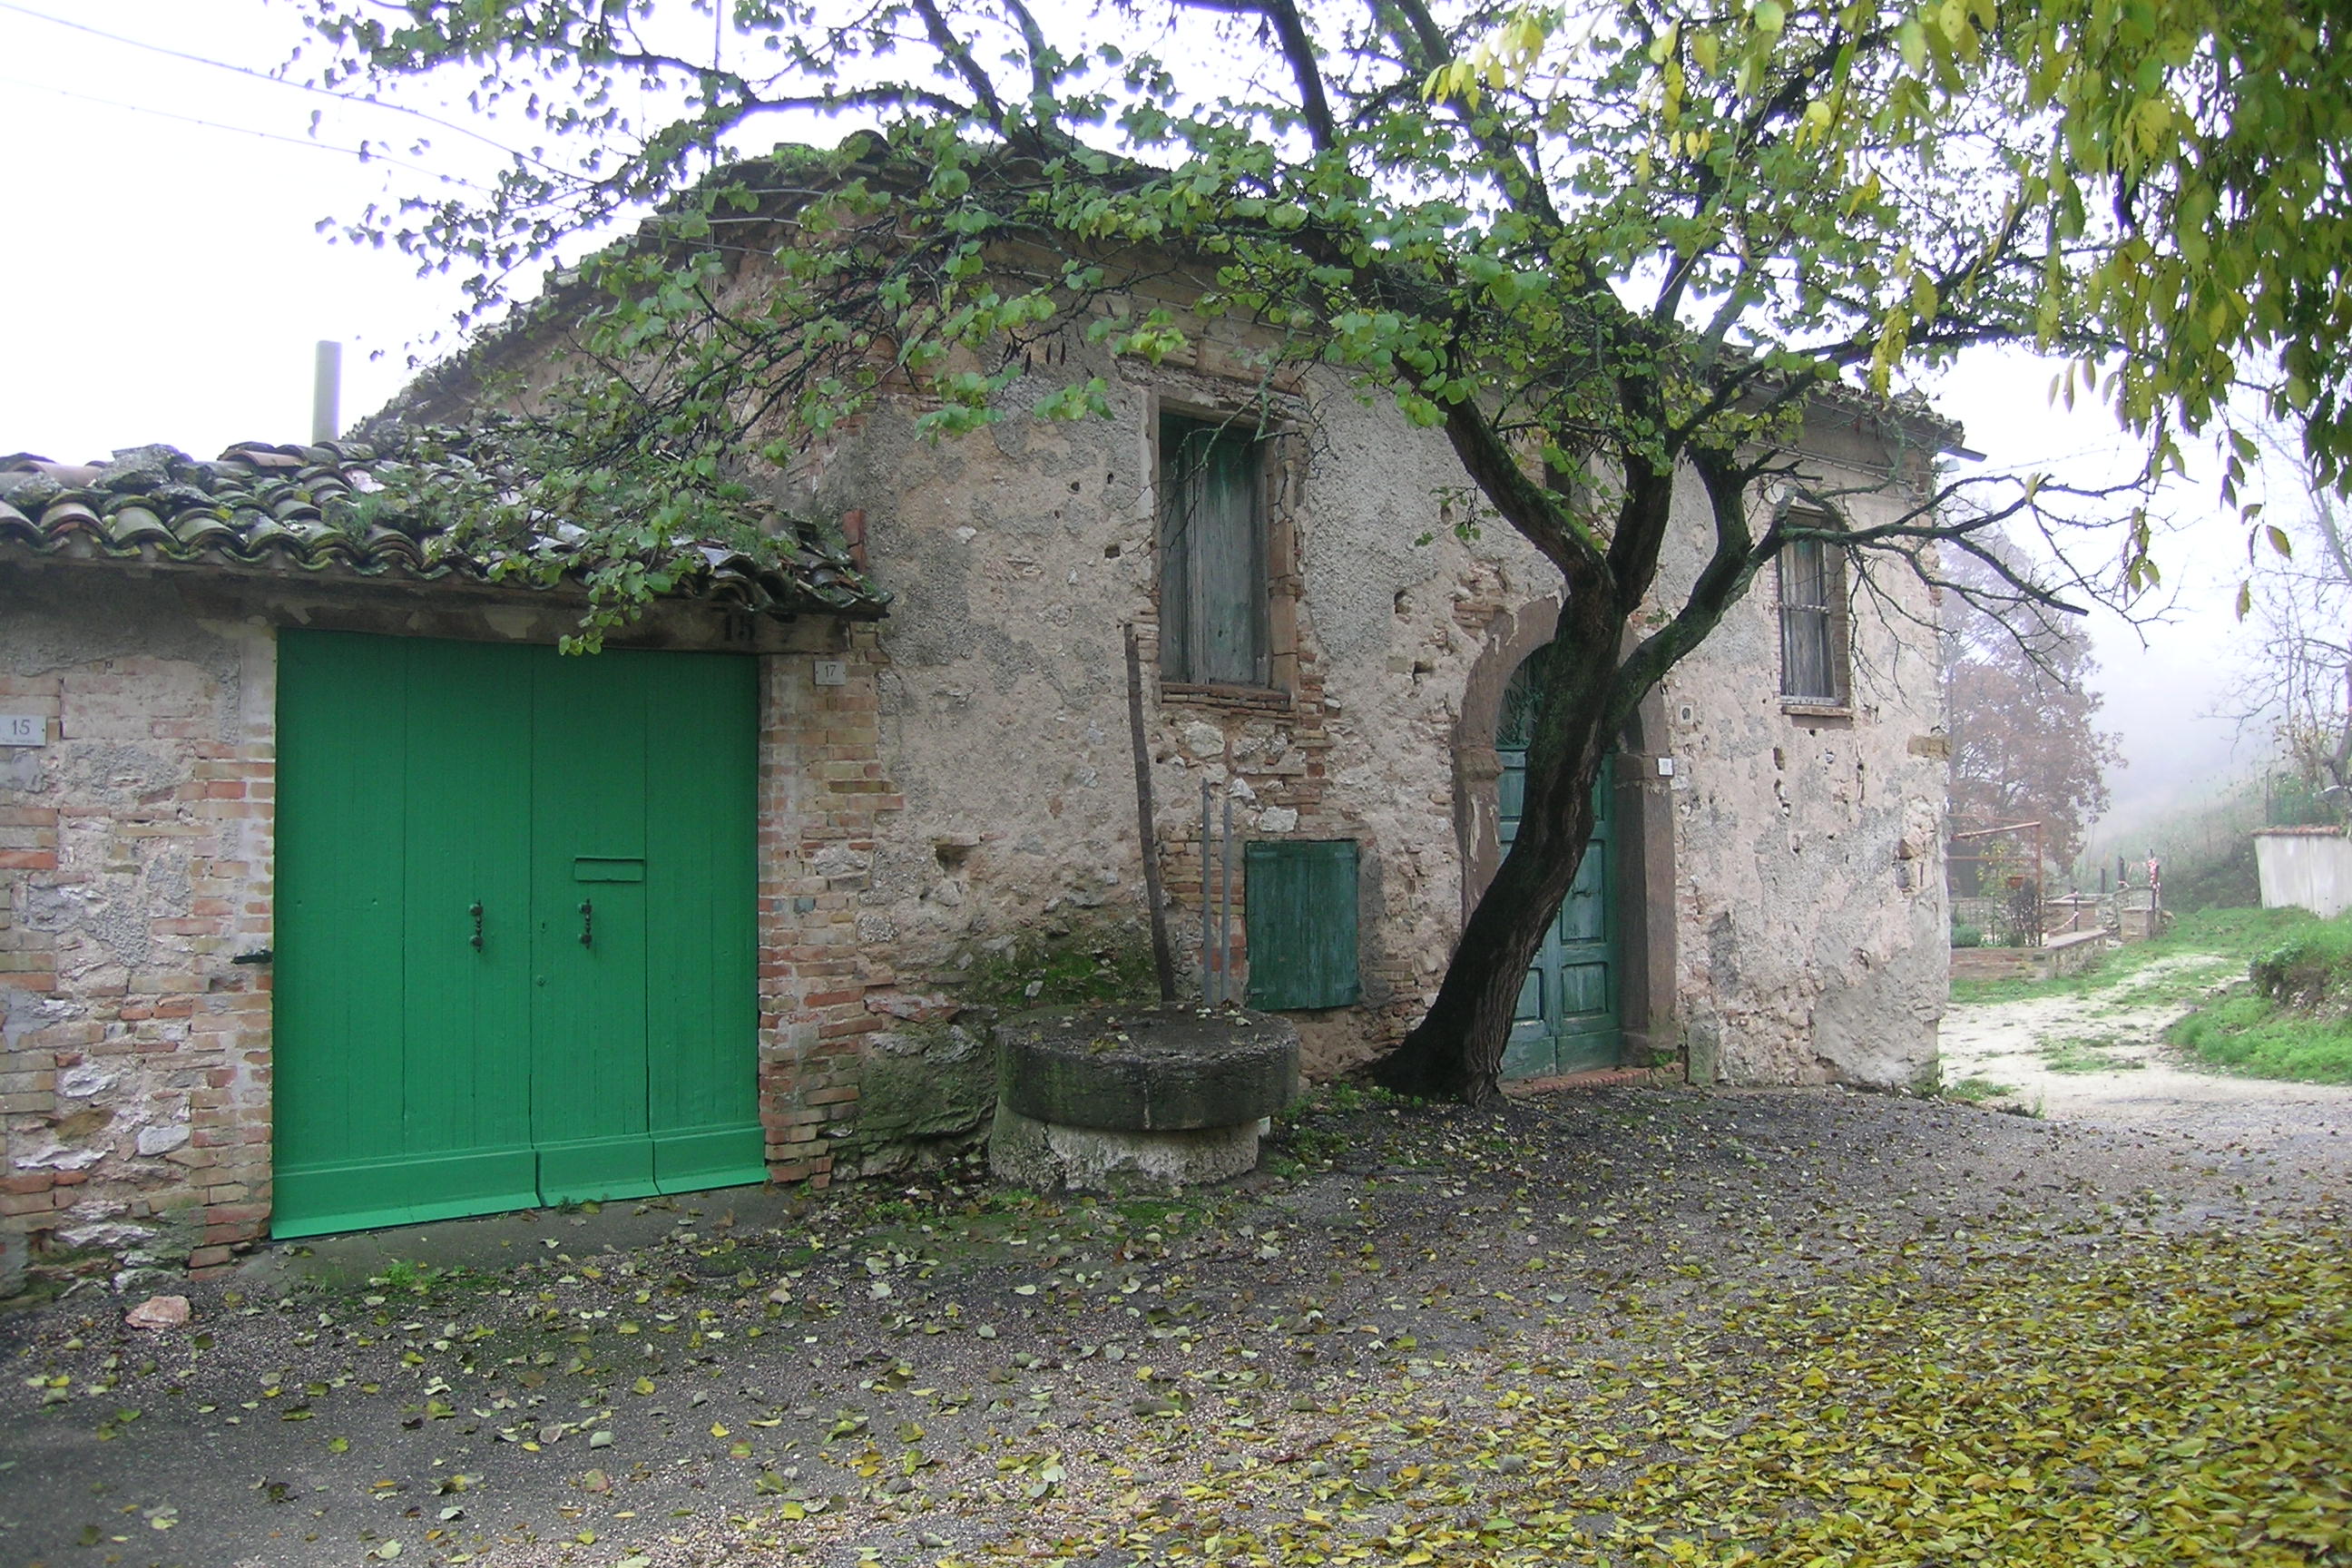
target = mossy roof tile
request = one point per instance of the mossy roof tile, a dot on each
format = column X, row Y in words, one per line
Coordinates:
column 268, row 508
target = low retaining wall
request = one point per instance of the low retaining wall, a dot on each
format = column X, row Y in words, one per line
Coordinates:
column 2069, row 955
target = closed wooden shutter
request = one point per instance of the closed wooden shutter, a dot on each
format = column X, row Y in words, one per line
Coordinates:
column 1212, row 576
column 1301, row 918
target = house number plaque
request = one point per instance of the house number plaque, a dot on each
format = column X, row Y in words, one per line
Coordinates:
column 24, row 730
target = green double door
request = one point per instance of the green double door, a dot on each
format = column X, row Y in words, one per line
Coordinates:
column 515, row 951
column 1567, row 1018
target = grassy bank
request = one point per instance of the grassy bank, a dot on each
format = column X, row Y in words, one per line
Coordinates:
column 2287, row 1015
column 2164, row 969
column 2292, row 1016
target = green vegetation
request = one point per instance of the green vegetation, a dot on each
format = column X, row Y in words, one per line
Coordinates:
column 1977, row 1088
column 2291, row 1018
column 2083, row 1053
column 2166, row 969
column 1080, row 965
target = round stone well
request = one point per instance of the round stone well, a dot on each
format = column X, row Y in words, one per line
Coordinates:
column 1102, row 1098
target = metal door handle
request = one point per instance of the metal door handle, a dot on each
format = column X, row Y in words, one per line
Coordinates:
column 587, row 923
column 477, row 913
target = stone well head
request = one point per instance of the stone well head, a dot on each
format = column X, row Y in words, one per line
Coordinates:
column 1104, row 1097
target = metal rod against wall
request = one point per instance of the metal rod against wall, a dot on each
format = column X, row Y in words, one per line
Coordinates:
column 1225, row 904
column 1163, row 961
column 327, row 392
column 1208, row 914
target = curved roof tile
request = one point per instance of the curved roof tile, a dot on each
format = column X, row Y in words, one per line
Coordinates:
column 258, row 507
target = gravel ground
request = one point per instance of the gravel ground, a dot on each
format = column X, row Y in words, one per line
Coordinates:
column 932, row 1370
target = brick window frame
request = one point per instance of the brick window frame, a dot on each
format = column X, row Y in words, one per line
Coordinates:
column 1273, row 477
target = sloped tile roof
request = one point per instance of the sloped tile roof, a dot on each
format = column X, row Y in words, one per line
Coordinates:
column 292, row 509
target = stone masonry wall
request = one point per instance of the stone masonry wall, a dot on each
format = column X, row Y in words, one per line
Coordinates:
column 1809, row 922
column 135, row 867
column 1810, row 892
column 135, row 862
column 1019, row 554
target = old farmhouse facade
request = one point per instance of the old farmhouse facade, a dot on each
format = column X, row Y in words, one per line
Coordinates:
column 332, row 895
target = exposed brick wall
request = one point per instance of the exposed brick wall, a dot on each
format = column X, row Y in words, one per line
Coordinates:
column 822, row 791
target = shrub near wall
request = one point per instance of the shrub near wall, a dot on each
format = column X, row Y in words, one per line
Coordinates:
column 2292, row 1018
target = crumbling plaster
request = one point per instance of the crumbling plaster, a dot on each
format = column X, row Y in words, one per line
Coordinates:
column 1018, row 555
column 1809, row 922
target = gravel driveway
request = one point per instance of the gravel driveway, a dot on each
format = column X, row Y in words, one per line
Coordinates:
column 1419, row 1335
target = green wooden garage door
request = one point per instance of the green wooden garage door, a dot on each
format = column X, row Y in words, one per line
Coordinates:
column 515, row 943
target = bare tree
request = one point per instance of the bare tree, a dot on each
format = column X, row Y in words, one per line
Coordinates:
column 2299, row 683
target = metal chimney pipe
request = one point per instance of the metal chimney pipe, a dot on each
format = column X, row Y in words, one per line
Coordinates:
column 327, row 393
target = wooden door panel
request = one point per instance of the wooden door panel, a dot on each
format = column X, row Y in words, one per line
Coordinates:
column 446, row 1043
column 702, row 960
column 401, row 1084
column 1566, row 1020
column 588, row 958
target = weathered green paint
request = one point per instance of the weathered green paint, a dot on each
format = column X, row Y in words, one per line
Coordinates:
column 419, row 1075
column 1212, row 553
column 1300, row 908
column 1567, row 1019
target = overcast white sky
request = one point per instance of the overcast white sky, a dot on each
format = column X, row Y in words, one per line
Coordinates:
column 164, row 279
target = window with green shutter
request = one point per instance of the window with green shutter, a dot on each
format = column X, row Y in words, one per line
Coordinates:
column 1300, row 908
column 1214, row 620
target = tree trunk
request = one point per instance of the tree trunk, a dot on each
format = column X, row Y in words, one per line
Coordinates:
column 1455, row 1052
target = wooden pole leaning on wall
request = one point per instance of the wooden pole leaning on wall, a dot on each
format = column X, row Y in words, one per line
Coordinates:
column 1162, row 960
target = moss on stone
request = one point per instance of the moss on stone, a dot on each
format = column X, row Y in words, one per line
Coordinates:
column 1073, row 965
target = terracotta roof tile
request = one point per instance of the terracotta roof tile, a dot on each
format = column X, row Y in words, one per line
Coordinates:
column 266, row 508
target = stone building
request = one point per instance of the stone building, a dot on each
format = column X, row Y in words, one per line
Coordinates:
column 250, row 747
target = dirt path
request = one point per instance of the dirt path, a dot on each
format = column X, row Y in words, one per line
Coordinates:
column 2101, row 1060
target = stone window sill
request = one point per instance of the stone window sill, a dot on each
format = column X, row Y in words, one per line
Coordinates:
column 1800, row 709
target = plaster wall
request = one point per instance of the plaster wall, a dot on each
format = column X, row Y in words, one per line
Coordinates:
column 2307, row 867
column 1806, row 922
column 1810, row 905
column 1018, row 556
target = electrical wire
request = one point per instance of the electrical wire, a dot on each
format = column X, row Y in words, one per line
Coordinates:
column 458, row 127
column 364, row 155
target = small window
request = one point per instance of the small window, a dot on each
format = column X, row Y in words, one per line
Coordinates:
column 1212, row 555
column 1812, row 624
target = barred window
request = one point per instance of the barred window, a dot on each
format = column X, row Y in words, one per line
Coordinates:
column 1813, row 623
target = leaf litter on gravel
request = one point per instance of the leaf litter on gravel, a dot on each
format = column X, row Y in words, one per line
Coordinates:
column 2183, row 1397
column 1632, row 1327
